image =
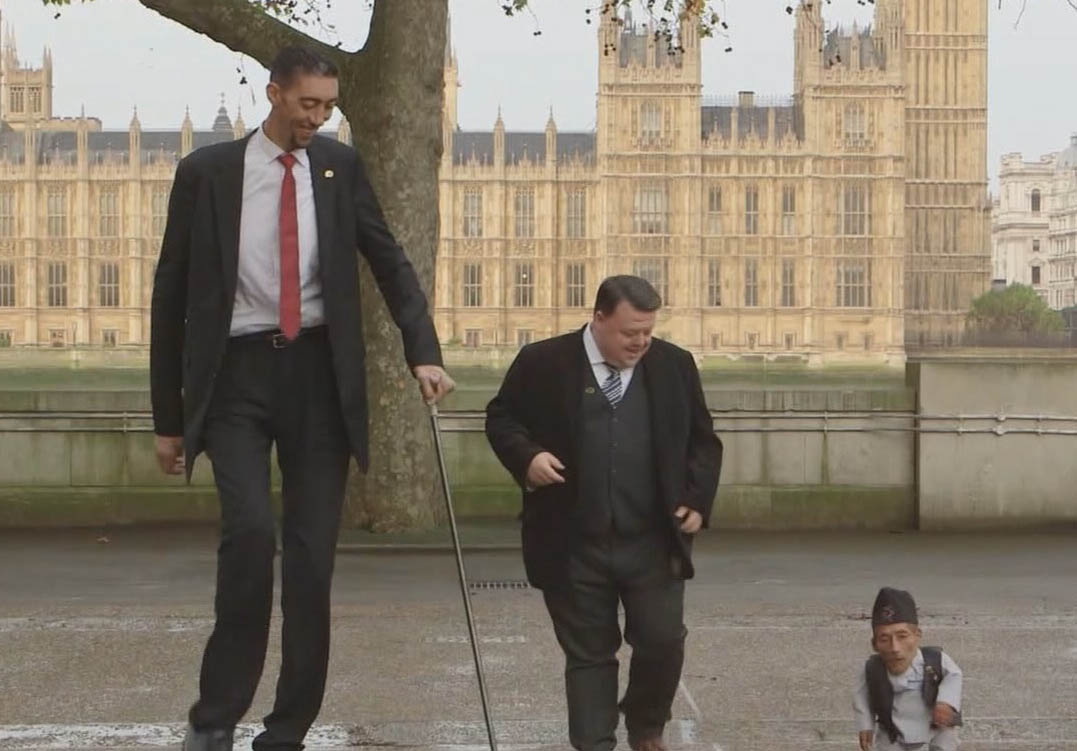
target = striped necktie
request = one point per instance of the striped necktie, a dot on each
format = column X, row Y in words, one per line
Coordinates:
column 612, row 387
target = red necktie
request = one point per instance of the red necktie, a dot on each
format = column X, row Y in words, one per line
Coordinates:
column 289, row 252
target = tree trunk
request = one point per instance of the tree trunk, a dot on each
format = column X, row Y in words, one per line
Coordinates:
column 394, row 108
column 391, row 93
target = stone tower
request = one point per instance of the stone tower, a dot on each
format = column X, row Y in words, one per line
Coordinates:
column 947, row 211
column 449, row 94
column 25, row 92
column 849, row 102
column 648, row 145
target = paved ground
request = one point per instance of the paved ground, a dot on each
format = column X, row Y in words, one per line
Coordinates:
column 99, row 641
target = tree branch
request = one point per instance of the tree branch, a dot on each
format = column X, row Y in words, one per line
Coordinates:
column 242, row 27
column 1020, row 15
column 1024, row 4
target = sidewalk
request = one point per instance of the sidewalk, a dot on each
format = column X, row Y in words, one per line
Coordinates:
column 100, row 641
column 475, row 535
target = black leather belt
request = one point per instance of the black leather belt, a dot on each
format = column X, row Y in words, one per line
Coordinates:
column 276, row 338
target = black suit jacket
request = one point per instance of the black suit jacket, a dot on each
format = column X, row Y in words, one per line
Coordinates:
column 195, row 285
column 536, row 410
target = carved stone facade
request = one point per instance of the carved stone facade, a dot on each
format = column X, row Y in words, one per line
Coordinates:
column 845, row 222
column 1019, row 223
column 1034, row 225
column 1062, row 230
column 848, row 221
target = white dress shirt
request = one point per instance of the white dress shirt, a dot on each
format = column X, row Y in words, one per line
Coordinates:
column 257, row 303
column 911, row 716
column 598, row 364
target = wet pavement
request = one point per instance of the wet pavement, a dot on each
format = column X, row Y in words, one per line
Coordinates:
column 101, row 634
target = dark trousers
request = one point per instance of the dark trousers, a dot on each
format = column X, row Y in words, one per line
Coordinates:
column 288, row 397
column 603, row 572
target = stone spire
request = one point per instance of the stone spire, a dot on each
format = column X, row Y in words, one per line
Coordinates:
column 551, row 139
column 223, row 123
column 499, row 140
column 134, row 142
column 186, row 133
column 239, row 128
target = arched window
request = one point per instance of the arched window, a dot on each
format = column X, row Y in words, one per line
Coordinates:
column 1035, row 201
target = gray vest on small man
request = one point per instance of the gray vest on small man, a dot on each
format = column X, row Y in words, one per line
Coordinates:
column 881, row 692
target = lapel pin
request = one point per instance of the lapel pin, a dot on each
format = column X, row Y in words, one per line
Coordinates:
column 328, row 173
column 589, row 390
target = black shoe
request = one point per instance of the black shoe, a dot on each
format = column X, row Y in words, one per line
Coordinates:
column 207, row 740
column 650, row 743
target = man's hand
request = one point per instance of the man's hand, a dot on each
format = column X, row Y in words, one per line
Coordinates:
column 544, row 470
column 434, row 383
column 943, row 716
column 691, row 521
column 169, row 450
column 867, row 737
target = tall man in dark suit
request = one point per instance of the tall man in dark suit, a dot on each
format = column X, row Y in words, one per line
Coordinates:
column 607, row 432
column 257, row 340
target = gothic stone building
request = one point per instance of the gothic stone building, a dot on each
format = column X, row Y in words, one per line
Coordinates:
column 847, row 222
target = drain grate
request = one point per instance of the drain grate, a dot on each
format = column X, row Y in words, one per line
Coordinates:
column 488, row 585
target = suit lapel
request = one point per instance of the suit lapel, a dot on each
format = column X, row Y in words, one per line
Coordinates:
column 228, row 204
column 324, row 183
column 575, row 362
column 661, row 380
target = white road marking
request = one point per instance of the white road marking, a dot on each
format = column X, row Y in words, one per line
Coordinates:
column 463, row 736
column 696, row 714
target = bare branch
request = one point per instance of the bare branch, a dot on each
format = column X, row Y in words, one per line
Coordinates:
column 665, row 16
column 241, row 26
column 1024, row 4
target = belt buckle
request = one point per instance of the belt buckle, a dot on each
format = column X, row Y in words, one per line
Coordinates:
column 280, row 341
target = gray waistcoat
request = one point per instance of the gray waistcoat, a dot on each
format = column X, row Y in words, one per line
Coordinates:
column 618, row 487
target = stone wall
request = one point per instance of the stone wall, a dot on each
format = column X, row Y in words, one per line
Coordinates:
column 972, row 440
column 1001, row 464
column 793, row 459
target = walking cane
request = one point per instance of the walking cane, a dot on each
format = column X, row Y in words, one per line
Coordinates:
column 463, row 577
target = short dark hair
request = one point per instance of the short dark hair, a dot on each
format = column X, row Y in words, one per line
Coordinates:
column 635, row 291
column 297, row 59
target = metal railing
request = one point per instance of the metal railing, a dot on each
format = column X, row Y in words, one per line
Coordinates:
column 726, row 422
column 1066, row 339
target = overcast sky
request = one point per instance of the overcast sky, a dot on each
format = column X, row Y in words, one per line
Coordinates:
column 114, row 55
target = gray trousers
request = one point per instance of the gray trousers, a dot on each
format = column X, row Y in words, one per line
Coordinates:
column 944, row 740
column 636, row 573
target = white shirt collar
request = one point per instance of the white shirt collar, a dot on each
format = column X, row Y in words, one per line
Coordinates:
column 594, row 355
column 270, row 151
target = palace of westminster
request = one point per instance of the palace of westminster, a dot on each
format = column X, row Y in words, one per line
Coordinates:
column 847, row 222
